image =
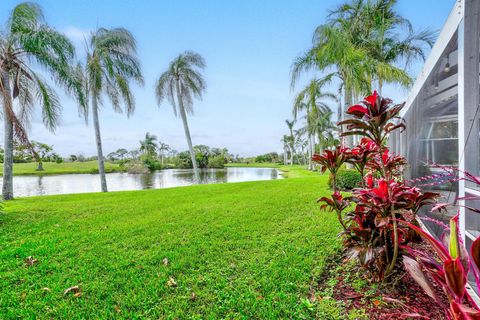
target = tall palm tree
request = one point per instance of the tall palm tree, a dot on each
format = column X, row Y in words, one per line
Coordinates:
column 310, row 100
column 111, row 64
column 323, row 128
column 362, row 43
column 386, row 36
column 291, row 139
column 26, row 41
column 149, row 144
column 180, row 84
column 285, row 141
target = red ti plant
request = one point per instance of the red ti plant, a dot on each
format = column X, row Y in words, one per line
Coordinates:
column 333, row 161
column 360, row 155
column 371, row 230
column 450, row 273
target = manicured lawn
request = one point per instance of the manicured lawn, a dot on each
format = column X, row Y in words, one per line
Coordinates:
column 61, row 168
column 245, row 250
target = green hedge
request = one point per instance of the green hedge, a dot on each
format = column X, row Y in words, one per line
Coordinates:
column 347, row 179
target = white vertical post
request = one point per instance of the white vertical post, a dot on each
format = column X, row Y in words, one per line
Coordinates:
column 461, row 119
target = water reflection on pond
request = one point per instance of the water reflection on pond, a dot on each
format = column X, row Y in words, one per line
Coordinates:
column 78, row 183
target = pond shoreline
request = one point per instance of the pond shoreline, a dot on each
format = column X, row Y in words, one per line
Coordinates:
column 40, row 185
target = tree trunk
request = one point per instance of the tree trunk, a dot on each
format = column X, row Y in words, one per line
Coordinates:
column 7, row 188
column 310, row 153
column 292, row 154
column 40, row 166
column 183, row 114
column 98, row 140
column 348, row 141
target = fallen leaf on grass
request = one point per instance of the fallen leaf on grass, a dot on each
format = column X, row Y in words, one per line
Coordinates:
column 23, row 296
column 77, row 295
column 171, row 282
column 117, row 308
column 165, row 261
column 193, row 296
column 30, row 261
column 46, row 289
column 74, row 289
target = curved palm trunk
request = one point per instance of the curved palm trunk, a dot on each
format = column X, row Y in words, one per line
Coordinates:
column 183, row 114
column 7, row 187
column 98, row 140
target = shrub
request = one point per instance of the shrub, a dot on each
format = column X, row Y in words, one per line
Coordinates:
column 371, row 218
column 347, row 179
column 217, row 161
column 152, row 164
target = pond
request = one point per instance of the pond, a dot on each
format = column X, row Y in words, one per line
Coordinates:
column 79, row 183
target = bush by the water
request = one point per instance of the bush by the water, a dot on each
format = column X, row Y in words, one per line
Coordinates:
column 347, row 179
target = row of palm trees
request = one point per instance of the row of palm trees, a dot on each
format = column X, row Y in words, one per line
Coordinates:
column 363, row 43
column 317, row 134
column 110, row 66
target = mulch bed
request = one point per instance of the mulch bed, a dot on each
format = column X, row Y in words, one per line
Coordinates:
column 403, row 300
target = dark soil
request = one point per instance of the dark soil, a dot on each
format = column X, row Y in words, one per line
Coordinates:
column 401, row 299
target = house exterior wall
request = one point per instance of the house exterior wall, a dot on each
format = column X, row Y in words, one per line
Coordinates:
column 443, row 118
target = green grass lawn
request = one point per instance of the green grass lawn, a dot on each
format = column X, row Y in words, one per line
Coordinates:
column 246, row 250
column 61, row 168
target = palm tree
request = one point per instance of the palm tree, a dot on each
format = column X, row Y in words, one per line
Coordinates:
column 310, row 101
column 324, row 129
column 377, row 28
column 332, row 47
column 111, row 64
column 362, row 42
column 42, row 150
column 149, row 145
column 285, row 141
column 291, row 139
column 180, row 84
column 163, row 148
column 27, row 41
column 121, row 153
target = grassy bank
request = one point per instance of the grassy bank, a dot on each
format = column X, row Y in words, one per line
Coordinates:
column 254, row 165
column 295, row 171
column 61, row 168
column 235, row 251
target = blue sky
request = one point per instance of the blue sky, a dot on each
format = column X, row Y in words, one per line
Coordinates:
column 248, row 46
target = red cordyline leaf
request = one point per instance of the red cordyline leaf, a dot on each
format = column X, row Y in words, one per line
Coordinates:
column 372, row 99
column 382, row 190
column 437, row 245
column 455, row 276
column 463, row 312
column 369, row 181
column 414, row 269
column 475, row 252
column 357, row 110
